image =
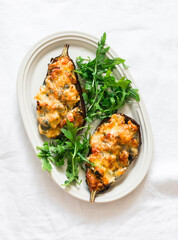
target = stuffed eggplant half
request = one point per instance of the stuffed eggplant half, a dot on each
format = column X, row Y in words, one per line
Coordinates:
column 114, row 145
column 60, row 97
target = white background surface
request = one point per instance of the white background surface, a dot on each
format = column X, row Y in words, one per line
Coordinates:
column 31, row 205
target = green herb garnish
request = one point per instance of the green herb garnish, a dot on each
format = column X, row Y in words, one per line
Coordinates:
column 104, row 93
column 72, row 149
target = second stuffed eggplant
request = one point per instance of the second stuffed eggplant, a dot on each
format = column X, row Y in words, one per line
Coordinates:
column 114, row 145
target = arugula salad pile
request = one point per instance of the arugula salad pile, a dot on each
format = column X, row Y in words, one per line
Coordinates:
column 103, row 94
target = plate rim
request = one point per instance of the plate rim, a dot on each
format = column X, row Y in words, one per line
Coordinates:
column 39, row 44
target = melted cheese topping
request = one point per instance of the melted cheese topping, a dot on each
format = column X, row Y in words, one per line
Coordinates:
column 57, row 98
column 114, row 145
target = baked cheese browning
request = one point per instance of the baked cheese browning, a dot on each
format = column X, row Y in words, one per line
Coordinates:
column 113, row 147
column 58, row 98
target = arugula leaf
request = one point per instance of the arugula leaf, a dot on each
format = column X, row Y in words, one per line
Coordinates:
column 46, row 164
column 104, row 93
column 72, row 149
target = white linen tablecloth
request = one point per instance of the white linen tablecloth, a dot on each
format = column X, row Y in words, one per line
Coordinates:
column 32, row 206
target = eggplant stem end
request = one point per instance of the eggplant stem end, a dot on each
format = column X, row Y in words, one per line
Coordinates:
column 65, row 51
column 92, row 196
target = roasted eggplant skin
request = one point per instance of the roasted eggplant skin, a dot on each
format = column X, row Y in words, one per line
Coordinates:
column 105, row 170
column 60, row 97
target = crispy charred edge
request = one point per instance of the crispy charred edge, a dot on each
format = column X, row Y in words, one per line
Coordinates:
column 81, row 104
column 98, row 176
column 88, row 166
column 127, row 118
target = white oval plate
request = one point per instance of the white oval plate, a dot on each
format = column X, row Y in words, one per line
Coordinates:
column 30, row 77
